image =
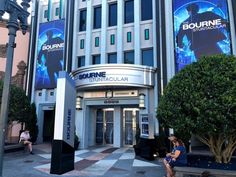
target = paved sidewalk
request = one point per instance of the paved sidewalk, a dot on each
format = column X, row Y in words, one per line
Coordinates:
column 93, row 162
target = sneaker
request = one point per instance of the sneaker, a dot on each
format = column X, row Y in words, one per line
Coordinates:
column 31, row 153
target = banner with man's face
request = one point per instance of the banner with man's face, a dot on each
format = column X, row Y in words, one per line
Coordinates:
column 50, row 54
column 201, row 28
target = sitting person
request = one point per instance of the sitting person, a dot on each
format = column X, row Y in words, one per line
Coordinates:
column 25, row 139
column 177, row 157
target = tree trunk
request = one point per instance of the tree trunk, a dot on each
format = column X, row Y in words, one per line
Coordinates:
column 220, row 148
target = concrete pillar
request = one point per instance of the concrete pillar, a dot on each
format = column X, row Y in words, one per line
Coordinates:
column 118, row 127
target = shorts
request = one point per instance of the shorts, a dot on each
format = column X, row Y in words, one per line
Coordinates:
column 173, row 163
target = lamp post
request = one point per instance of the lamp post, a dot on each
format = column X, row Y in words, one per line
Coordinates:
column 17, row 16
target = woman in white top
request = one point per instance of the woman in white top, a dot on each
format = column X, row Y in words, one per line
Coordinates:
column 25, row 139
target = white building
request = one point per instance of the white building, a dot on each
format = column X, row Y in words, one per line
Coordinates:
column 120, row 53
column 115, row 68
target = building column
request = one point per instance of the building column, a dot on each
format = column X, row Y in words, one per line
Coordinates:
column 170, row 57
column 120, row 22
column 75, row 36
column 137, row 18
column 103, row 32
column 118, row 127
column 89, row 26
column 155, row 101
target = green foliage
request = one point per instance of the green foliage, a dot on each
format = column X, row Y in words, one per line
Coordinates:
column 201, row 98
column 31, row 123
column 76, row 141
column 19, row 104
column 21, row 110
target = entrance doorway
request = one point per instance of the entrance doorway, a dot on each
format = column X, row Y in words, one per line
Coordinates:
column 48, row 125
column 104, row 126
column 130, row 125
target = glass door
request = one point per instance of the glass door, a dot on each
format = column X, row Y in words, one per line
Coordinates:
column 130, row 116
column 109, row 126
column 104, row 126
column 99, row 127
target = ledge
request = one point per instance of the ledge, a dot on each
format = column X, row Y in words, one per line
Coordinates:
column 196, row 172
column 13, row 147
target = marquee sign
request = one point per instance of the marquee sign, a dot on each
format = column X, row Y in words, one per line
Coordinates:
column 114, row 75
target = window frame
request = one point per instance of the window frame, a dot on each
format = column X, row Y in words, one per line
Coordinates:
column 142, row 54
column 109, row 54
column 129, row 51
column 79, row 63
column 96, row 41
column 82, row 28
column 145, row 11
column 94, row 59
column 109, row 14
column 126, row 17
column 97, row 19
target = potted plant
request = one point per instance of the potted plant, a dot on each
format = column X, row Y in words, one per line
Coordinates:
column 76, row 143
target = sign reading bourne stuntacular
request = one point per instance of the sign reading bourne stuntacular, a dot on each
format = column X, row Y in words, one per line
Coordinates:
column 50, row 54
column 201, row 28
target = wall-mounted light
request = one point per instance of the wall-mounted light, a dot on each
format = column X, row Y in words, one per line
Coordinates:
column 79, row 102
column 142, row 101
column 109, row 94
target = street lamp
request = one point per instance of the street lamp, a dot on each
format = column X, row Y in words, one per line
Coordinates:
column 17, row 16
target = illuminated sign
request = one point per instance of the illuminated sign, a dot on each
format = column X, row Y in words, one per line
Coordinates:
column 92, row 75
column 115, row 75
column 50, row 54
column 201, row 27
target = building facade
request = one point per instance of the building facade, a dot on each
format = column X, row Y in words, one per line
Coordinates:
column 120, row 53
column 19, row 67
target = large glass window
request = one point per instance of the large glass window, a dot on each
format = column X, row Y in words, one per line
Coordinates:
column 147, row 57
column 129, row 57
column 146, row 10
column 96, row 59
column 112, row 58
column 113, row 14
column 82, row 23
column 97, row 17
column 129, row 11
column 81, row 61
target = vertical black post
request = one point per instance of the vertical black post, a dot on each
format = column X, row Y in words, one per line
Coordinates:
column 17, row 14
column 32, row 51
column 163, row 41
column 69, row 19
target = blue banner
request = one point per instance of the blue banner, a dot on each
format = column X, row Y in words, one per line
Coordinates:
column 201, row 28
column 50, row 54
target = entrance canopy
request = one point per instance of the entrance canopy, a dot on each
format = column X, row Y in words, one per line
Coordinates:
column 115, row 75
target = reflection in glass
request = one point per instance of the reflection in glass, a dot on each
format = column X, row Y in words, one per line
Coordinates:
column 99, row 127
column 109, row 127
